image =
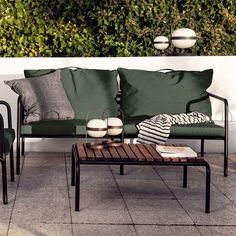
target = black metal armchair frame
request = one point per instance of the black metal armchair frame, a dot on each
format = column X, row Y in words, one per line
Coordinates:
column 226, row 128
column 21, row 145
column 3, row 152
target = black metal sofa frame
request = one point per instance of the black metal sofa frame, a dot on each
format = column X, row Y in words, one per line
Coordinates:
column 3, row 151
column 21, row 137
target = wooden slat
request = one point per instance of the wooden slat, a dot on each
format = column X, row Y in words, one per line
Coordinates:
column 106, row 154
column 183, row 159
column 175, row 159
column 98, row 154
column 114, row 154
column 152, row 150
column 191, row 159
column 137, row 153
column 122, row 153
column 129, row 152
column 166, row 159
column 200, row 159
column 90, row 153
column 144, row 151
column 81, row 152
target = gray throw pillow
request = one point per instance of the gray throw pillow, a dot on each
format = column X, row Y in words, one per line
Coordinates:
column 43, row 97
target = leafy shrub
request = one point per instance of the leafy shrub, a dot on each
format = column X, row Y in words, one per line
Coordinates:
column 111, row 27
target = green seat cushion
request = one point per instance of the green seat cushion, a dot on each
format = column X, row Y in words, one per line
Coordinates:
column 9, row 137
column 209, row 130
column 130, row 129
column 54, row 128
column 153, row 92
column 87, row 90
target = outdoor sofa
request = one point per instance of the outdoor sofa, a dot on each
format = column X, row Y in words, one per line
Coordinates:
column 139, row 94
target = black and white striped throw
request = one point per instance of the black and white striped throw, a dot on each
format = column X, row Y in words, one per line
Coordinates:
column 157, row 129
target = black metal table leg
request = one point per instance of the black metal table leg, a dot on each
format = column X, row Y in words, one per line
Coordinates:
column 72, row 167
column 208, row 187
column 77, row 186
column 121, row 169
column 185, row 175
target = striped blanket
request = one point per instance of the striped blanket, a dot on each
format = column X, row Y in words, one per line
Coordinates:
column 157, row 129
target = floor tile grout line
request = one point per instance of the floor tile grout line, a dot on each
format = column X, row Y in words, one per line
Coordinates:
column 139, row 224
column 174, row 195
column 14, row 201
column 68, row 191
column 123, row 200
column 225, row 195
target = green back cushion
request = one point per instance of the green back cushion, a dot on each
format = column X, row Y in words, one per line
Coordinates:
column 152, row 92
column 87, row 90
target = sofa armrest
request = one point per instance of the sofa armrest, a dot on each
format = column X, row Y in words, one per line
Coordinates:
column 226, row 110
column 188, row 109
column 9, row 118
column 1, row 136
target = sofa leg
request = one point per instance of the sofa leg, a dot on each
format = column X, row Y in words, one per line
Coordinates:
column 18, row 155
column 23, row 146
column 226, row 157
column 202, row 147
column 4, row 180
column 12, row 165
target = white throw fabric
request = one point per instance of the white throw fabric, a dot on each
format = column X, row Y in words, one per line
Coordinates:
column 157, row 129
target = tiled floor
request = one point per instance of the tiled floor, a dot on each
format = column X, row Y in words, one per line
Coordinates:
column 145, row 201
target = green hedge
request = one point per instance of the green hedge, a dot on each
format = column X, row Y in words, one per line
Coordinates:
column 111, row 27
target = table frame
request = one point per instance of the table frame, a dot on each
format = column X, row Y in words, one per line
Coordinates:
column 77, row 160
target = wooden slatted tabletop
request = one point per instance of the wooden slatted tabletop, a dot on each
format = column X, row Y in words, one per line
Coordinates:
column 128, row 153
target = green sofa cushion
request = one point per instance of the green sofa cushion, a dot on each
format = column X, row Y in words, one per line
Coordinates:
column 77, row 127
column 54, row 128
column 9, row 137
column 209, row 130
column 87, row 90
column 153, row 92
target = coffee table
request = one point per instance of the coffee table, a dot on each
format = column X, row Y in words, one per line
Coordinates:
column 131, row 154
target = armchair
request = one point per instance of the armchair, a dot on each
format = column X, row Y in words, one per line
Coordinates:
column 7, row 136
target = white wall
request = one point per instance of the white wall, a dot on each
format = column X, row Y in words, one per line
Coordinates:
column 224, row 84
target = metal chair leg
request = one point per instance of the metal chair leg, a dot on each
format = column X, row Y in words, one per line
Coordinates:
column 12, row 165
column 18, row 155
column 226, row 157
column 202, row 147
column 23, row 146
column 4, row 181
column 208, row 186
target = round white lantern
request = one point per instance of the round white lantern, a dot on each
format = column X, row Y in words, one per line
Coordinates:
column 96, row 128
column 161, row 42
column 183, row 38
column 114, row 125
